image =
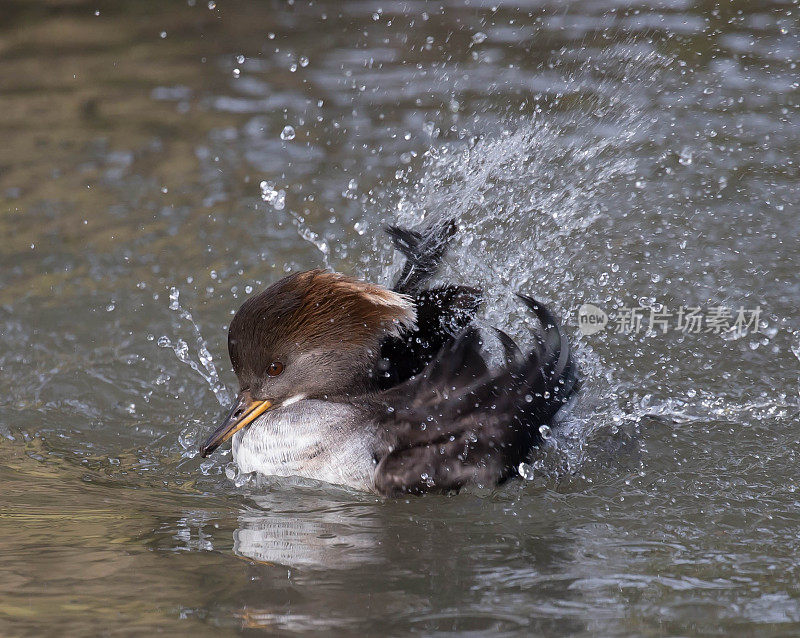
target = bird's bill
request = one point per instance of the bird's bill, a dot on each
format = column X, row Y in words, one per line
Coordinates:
column 243, row 412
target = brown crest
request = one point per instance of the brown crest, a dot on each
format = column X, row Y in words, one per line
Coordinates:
column 315, row 309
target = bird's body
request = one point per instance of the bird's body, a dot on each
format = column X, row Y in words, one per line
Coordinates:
column 387, row 390
column 323, row 440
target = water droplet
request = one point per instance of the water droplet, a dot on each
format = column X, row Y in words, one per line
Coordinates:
column 206, row 466
column 479, row 37
column 303, row 61
column 545, row 431
column 288, row 132
column 182, row 350
column 526, row 471
column 205, row 357
column 273, row 196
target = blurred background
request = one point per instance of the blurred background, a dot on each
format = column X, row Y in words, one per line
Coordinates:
column 159, row 161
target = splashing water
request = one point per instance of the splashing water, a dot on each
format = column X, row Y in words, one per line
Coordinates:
column 796, row 344
column 276, row 198
column 205, row 368
column 530, row 198
column 312, row 238
column 525, row 198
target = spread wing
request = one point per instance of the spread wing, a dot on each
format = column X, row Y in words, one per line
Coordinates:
column 423, row 253
column 442, row 311
column 459, row 423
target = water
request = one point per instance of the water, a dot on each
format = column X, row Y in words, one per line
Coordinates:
column 160, row 163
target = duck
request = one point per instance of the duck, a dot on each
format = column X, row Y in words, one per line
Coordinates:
column 388, row 389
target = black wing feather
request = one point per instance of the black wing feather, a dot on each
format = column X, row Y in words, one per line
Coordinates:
column 458, row 423
column 442, row 312
column 511, row 350
column 423, row 253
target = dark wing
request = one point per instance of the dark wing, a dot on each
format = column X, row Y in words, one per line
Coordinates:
column 459, row 423
column 442, row 312
column 423, row 253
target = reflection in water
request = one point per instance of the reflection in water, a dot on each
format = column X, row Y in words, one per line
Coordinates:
column 392, row 560
column 319, row 536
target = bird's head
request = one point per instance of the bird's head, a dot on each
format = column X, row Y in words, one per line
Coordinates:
column 311, row 335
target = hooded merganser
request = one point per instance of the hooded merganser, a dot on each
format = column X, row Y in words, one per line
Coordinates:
column 352, row 383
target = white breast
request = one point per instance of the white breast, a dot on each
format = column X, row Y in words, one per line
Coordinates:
column 313, row 439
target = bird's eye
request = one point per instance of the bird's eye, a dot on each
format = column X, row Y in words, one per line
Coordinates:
column 275, row 368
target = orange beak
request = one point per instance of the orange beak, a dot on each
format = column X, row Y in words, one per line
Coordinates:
column 243, row 412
